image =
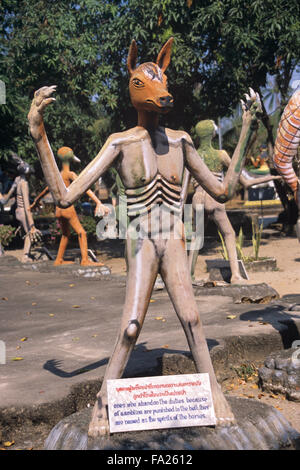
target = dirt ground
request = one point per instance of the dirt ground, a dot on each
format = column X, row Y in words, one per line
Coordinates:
column 285, row 280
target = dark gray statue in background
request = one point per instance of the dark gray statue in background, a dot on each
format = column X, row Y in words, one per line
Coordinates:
column 20, row 190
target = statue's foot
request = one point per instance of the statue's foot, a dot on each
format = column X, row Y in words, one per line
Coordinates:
column 91, row 263
column 26, row 259
column 61, row 262
column 239, row 280
column 99, row 425
column 223, row 412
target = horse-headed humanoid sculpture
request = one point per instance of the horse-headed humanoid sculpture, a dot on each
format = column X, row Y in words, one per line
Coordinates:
column 150, row 160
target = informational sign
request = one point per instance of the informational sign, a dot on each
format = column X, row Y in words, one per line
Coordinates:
column 171, row 401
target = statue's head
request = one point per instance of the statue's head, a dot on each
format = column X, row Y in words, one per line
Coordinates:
column 206, row 128
column 66, row 155
column 148, row 85
column 23, row 168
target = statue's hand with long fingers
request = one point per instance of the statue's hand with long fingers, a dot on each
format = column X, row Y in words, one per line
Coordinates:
column 35, row 235
column 42, row 98
column 251, row 107
column 101, row 210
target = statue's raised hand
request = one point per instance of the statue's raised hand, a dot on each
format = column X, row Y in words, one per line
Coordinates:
column 42, row 98
column 251, row 107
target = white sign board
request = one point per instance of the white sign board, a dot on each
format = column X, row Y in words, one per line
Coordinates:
column 171, row 401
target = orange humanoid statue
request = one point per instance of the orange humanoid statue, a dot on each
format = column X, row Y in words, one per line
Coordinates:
column 68, row 217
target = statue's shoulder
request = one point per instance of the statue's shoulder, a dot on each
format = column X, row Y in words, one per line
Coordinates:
column 178, row 135
column 134, row 134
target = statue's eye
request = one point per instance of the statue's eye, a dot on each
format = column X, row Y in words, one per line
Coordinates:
column 137, row 83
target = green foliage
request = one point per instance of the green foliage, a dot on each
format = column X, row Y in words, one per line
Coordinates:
column 220, row 49
column 224, row 252
column 231, row 137
column 256, row 239
column 246, row 371
column 239, row 245
column 89, row 224
column 55, row 232
column 7, row 233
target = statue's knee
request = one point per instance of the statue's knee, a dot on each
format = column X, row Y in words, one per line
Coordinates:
column 81, row 233
column 192, row 321
column 229, row 233
column 132, row 330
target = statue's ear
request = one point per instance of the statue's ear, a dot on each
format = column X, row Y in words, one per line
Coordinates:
column 132, row 57
column 164, row 57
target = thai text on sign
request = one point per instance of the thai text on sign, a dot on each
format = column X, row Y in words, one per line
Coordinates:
column 160, row 402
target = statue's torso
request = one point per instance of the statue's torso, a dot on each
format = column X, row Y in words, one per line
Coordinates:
column 213, row 161
column 66, row 176
column 142, row 157
column 151, row 167
column 21, row 184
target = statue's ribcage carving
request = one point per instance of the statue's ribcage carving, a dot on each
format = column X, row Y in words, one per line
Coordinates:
column 159, row 191
column 20, row 201
column 287, row 141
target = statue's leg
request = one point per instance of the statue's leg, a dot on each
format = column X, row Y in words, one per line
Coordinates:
column 221, row 219
column 65, row 228
column 176, row 275
column 142, row 268
column 199, row 199
column 82, row 240
column 26, row 252
column 21, row 217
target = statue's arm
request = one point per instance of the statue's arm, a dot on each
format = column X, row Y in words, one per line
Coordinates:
column 223, row 191
column 39, row 197
column 185, row 186
column 26, row 202
column 100, row 209
column 62, row 195
column 247, row 181
column 198, row 169
column 5, row 198
column 245, row 178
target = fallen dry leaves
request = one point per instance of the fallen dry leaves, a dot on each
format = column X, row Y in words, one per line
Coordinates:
column 8, row 443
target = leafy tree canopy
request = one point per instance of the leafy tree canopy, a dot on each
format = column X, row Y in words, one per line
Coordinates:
column 220, row 49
